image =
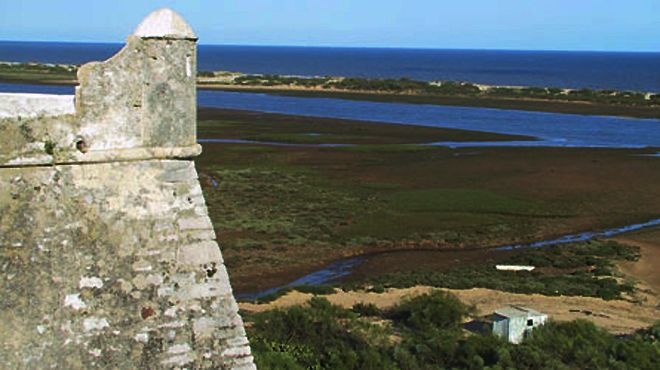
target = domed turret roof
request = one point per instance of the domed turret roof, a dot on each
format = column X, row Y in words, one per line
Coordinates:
column 165, row 23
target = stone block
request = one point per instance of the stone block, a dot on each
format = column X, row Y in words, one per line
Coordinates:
column 204, row 253
column 195, row 223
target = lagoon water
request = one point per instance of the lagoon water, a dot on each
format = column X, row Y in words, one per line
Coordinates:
column 552, row 129
column 604, row 70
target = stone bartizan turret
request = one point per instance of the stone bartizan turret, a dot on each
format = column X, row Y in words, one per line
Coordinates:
column 108, row 258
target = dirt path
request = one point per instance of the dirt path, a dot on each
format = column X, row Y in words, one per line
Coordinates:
column 647, row 269
column 615, row 316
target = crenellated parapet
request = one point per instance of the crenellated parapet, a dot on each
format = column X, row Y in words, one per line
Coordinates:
column 108, row 258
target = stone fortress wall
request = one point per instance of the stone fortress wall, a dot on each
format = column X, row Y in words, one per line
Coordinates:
column 108, row 258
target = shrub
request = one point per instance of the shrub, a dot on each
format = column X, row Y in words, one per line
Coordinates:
column 437, row 310
column 580, row 344
column 366, row 309
column 323, row 336
column 331, row 333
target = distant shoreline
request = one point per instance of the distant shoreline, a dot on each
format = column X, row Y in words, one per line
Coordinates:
column 581, row 108
column 449, row 93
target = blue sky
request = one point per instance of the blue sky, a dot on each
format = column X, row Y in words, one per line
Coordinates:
column 630, row 25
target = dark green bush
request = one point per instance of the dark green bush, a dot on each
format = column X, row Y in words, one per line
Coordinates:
column 437, row 310
column 323, row 336
column 655, row 99
column 276, row 80
column 581, row 345
column 331, row 333
column 391, row 85
column 366, row 309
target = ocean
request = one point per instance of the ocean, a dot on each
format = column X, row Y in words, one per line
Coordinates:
column 601, row 70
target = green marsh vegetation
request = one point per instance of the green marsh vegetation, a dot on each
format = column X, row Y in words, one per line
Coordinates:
column 579, row 269
column 281, row 212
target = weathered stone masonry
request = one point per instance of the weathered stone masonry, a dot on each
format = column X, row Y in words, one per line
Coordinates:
column 108, row 258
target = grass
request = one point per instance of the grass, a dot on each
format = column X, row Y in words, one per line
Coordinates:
column 457, row 216
column 260, row 211
column 463, row 200
column 279, row 202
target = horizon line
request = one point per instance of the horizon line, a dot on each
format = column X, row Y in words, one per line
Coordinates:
column 355, row 47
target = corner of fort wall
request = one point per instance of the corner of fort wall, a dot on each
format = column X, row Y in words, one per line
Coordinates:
column 108, row 258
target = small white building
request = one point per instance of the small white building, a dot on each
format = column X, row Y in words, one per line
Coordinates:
column 512, row 323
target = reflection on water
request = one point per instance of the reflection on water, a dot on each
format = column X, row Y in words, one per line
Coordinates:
column 648, row 155
column 326, row 275
column 529, row 143
column 584, row 236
